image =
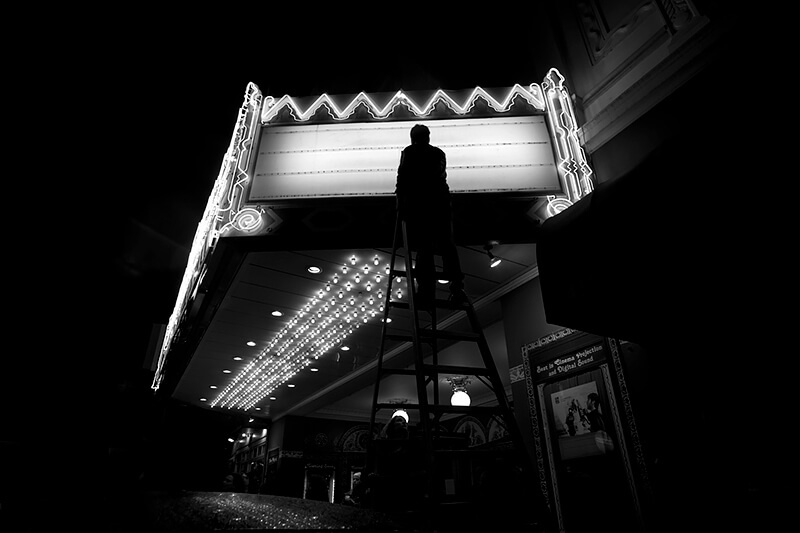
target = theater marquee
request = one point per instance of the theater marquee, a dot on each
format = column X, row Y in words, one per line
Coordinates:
column 520, row 140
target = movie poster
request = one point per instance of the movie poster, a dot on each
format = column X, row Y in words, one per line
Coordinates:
column 580, row 422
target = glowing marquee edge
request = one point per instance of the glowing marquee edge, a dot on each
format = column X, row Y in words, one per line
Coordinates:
column 226, row 197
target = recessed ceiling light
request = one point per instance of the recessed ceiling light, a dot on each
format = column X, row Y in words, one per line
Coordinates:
column 314, row 269
column 277, row 313
column 237, row 358
column 290, row 385
column 257, row 408
column 345, row 348
column 314, row 369
column 212, row 387
column 251, row 343
column 226, row 371
column 272, row 398
column 203, row 399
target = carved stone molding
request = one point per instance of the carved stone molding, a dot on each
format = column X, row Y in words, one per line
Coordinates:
column 600, row 34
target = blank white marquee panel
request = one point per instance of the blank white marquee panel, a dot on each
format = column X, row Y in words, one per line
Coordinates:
column 509, row 154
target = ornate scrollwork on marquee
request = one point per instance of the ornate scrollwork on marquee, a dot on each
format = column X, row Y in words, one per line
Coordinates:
column 573, row 167
column 223, row 207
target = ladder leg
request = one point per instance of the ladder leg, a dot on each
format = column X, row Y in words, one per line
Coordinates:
column 422, row 393
column 384, row 328
column 524, row 460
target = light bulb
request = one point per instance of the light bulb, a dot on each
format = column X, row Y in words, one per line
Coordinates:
column 460, row 398
column 401, row 413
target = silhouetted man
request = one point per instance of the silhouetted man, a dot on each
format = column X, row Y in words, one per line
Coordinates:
column 423, row 201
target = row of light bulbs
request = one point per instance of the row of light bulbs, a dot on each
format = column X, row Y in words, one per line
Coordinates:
column 353, row 296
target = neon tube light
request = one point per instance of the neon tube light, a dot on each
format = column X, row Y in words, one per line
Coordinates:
column 532, row 94
column 225, row 195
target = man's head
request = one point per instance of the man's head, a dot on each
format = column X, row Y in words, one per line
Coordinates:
column 397, row 428
column 592, row 401
column 420, row 134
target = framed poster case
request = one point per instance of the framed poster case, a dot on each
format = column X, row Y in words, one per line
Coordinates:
column 587, row 449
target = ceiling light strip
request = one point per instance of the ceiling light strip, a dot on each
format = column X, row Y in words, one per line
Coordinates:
column 352, row 297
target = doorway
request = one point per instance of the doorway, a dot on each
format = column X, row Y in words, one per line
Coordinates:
column 319, row 483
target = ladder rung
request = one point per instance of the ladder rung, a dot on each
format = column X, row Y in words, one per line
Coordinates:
column 396, row 406
column 480, row 409
column 399, row 371
column 469, row 452
column 441, row 304
column 430, row 370
column 467, row 410
column 427, row 335
column 450, row 335
column 402, row 273
column 456, row 369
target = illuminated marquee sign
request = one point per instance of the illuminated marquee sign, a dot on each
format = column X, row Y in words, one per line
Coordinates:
column 356, row 153
column 360, row 159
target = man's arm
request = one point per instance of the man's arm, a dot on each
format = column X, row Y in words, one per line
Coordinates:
column 401, row 192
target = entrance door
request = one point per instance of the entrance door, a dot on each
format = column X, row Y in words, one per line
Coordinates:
column 319, row 484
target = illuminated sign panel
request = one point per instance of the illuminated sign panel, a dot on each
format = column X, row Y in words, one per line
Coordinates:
column 525, row 141
column 497, row 154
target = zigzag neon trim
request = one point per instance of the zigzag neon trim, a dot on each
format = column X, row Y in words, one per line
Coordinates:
column 532, row 94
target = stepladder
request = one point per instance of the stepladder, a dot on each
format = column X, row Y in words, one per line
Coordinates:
column 449, row 463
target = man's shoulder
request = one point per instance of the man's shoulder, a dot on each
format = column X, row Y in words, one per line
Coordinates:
column 426, row 149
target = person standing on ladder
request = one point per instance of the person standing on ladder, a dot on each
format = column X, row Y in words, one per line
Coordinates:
column 423, row 202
